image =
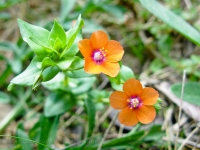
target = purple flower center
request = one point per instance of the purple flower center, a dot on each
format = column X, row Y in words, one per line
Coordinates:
column 99, row 55
column 134, row 102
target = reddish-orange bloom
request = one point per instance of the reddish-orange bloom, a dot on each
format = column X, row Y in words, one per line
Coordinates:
column 101, row 55
column 136, row 103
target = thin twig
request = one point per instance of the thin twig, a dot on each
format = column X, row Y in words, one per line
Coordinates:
column 181, row 141
column 188, row 137
column 107, row 130
column 121, row 130
column 180, row 108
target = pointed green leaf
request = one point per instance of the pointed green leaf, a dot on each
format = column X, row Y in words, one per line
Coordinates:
column 27, row 77
column 90, row 108
column 191, row 92
column 72, row 33
column 58, row 32
column 39, row 43
column 172, row 20
column 73, row 50
column 40, row 34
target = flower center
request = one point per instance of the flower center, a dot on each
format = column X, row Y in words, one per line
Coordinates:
column 134, row 102
column 99, row 55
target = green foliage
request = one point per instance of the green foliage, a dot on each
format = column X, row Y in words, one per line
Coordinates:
column 48, row 128
column 49, row 48
column 59, row 67
column 58, row 103
column 172, row 20
column 57, row 37
column 4, row 98
column 35, row 37
column 23, row 145
column 191, row 92
column 7, row 3
column 124, row 74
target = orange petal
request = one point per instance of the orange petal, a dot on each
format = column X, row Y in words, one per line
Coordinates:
column 110, row 68
column 132, row 87
column 91, row 67
column 149, row 96
column 128, row 117
column 114, row 51
column 118, row 100
column 85, row 47
column 146, row 114
column 99, row 39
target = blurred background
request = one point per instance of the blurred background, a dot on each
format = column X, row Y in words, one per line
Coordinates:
column 155, row 52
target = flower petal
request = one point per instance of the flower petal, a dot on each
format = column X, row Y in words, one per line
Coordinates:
column 110, row 68
column 114, row 51
column 128, row 117
column 99, row 39
column 132, row 87
column 85, row 47
column 149, row 96
column 118, row 100
column 91, row 67
column 146, row 114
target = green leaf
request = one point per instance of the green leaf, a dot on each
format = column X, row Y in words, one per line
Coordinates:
column 90, row 109
column 49, row 73
column 27, row 77
column 57, row 103
column 65, row 62
column 4, row 98
column 39, row 34
column 73, row 50
column 172, row 20
column 78, row 63
column 48, row 131
column 46, row 62
column 43, row 45
column 191, row 92
column 125, row 73
column 72, row 33
column 24, row 145
column 57, row 32
column 78, row 73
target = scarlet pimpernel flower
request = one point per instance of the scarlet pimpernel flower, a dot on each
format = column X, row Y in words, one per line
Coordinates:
column 101, row 54
column 135, row 102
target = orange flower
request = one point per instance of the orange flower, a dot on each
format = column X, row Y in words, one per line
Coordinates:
column 101, row 54
column 136, row 103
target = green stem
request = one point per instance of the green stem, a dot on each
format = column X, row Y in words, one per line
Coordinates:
column 15, row 111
